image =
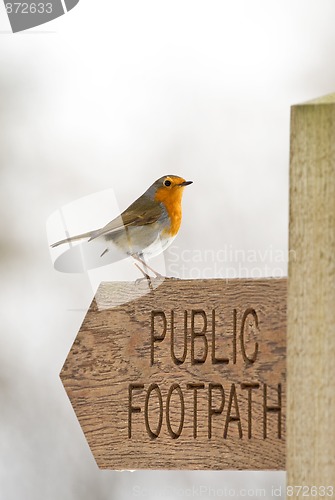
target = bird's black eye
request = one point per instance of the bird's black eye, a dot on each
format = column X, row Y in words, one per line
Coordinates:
column 167, row 183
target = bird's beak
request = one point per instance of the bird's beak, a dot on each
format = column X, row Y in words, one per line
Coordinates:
column 186, row 183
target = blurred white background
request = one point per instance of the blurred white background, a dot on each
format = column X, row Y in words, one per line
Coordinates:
column 114, row 95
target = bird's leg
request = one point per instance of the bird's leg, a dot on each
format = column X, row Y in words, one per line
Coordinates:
column 145, row 276
column 140, row 259
column 145, row 271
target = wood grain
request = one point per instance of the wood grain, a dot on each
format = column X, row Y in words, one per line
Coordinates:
column 311, row 295
column 208, row 396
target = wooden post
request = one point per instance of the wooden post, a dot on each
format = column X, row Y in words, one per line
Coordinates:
column 311, row 296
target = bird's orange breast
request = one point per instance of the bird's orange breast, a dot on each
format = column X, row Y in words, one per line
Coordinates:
column 172, row 202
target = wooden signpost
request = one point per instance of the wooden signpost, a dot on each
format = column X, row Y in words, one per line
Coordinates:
column 192, row 374
column 188, row 376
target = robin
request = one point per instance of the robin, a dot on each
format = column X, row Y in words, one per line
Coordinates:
column 147, row 227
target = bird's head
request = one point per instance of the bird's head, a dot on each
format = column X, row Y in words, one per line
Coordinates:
column 168, row 189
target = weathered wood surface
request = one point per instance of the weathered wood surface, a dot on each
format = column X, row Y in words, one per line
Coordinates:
column 216, row 402
column 311, row 296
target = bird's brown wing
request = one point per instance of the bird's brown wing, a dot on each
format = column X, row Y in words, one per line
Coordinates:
column 143, row 211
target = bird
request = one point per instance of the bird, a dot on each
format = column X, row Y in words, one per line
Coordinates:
column 144, row 229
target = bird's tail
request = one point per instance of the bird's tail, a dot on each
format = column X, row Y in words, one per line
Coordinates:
column 89, row 234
